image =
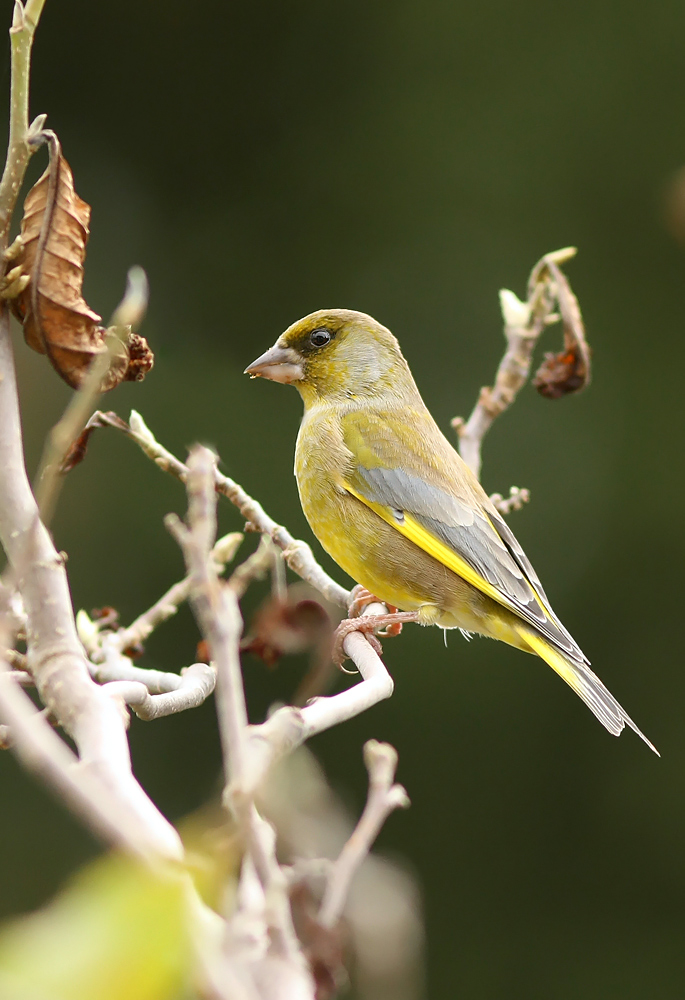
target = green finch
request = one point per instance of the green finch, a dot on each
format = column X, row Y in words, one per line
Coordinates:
column 393, row 503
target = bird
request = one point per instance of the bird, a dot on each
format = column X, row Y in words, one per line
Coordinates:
column 394, row 504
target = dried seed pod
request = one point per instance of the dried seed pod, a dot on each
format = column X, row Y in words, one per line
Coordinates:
column 52, row 249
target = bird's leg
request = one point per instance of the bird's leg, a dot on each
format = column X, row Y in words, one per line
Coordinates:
column 368, row 625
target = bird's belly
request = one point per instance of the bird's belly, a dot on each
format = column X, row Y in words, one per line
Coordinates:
column 391, row 566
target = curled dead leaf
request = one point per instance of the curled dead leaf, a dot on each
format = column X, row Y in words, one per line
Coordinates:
column 561, row 374
column 77, row 450
column 51, row 252
column 569, row 370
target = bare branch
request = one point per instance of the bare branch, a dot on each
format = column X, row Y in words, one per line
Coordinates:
column 516, row 500
column 289, row 727
column 19, row 150
column 383, row 798
column 66, row 430
column 167, row 606
column 40, row 749
column 524, row 322
column 55, row 655
column 255, row 567
column 297, row 553
column 196, row 684
column 214, row 604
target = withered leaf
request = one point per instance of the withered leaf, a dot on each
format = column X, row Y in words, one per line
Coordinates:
column 57, row 320
column 77, row 449
column 569, row 370
column 561, row 374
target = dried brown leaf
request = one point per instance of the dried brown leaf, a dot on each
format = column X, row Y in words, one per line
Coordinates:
column 57, row 320
column 569, row 370
column 561, row 374
column 77, row 450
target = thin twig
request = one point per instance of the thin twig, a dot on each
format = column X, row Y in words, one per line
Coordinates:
column 297, row 553
column 23, row 28
column 524, row 322
column 516, row 500
column 255, row 567
column 216, row 609
column 214, row 604
column 383, row 798
column 138, row 631
column 130, row 311
column 289, row 727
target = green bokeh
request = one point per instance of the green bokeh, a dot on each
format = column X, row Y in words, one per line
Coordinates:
column 264, row 160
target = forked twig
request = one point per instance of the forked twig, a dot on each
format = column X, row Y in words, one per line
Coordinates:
column 383, row 798
column 524, row 322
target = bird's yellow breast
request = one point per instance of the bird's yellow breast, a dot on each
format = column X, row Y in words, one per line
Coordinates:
column 371, row 551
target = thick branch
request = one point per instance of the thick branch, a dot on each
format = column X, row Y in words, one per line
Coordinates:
column 55, row 655
column 40, row 749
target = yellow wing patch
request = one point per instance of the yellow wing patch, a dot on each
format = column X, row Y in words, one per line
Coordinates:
column 555, row 660
column 416, row 533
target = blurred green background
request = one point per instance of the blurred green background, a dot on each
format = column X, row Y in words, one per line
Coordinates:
column 263, row 160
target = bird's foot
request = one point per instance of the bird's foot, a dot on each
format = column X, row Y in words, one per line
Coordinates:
column 368, row 625
column 362, row 598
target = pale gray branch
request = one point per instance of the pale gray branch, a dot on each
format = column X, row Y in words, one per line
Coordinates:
column 516, row 500
column 383, row 798
column 524, row 322
column 215, row 605
column 255, row 567
column 196, row 683
column 289, row 727
column 40, row 749
column 55, row 655
column 297, row 553
column 138, row 631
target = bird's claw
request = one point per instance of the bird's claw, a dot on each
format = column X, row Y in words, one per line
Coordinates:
column 368, row 626
column 362, row 598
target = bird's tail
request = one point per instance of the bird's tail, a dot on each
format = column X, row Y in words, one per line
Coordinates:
column 585, row 683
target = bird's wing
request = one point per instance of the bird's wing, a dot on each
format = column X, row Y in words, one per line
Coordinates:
column 432, row 499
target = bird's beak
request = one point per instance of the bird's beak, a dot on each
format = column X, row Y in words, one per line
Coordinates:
column 280, row 364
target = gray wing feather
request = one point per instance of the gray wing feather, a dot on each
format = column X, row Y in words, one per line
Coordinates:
column 485, row 542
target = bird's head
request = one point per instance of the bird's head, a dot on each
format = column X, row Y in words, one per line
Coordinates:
column 335, row 354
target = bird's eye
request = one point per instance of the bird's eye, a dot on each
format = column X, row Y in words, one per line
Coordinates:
column 319, row 338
